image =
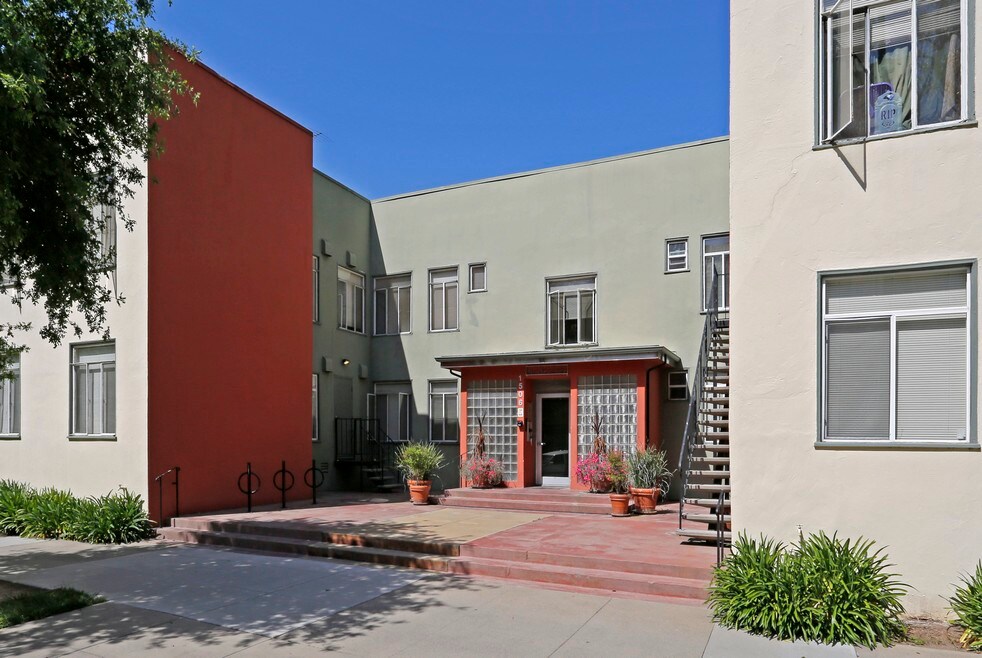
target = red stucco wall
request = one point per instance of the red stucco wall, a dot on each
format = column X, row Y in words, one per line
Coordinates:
column 230, row 333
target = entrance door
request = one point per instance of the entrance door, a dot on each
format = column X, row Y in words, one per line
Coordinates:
column 553, row 432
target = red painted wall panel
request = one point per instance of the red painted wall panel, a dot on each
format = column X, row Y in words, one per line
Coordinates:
column 230, row 220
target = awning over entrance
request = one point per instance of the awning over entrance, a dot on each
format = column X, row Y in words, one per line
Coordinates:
column 562, row 356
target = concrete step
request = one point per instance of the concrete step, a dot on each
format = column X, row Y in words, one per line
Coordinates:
column 709, row 398
column 527, row 505
column 407, row 559
column 704, row 518
column 707, row 535
column 550, row 494
column 699, row 486
column 710, row 460
column 722, row 424
column 684, row 588
column 711, row 447
column 714, row 435
column 722, row 474
column 716, row 413
column 580, row 561
column 706, row 502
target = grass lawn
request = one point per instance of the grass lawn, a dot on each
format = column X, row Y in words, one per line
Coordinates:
column 37, row 604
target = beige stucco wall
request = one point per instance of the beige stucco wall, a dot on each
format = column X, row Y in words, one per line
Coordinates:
column 608, row 217
column 44, row 456
column 795, row 212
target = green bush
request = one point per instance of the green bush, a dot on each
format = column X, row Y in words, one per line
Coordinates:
column 116, row 518
column 13, row 501
column 419, row 461
column 648, row 469
column 43, row 603
column 967, row 606
column 48, row 513
column 823, row 589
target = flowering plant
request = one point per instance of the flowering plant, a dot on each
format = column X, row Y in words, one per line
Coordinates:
column 594, row 471
column 482, row 471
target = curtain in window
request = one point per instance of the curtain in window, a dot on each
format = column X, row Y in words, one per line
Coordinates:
column 931, row 379
column 938, row 61
column 890, row 63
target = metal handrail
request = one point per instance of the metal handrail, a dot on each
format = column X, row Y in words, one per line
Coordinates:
column 698, row 386
column 176, row 470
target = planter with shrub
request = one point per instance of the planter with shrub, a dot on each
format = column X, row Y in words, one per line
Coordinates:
column 649, row 476
column 594, row 472
column 418, row 462
column 822, row 589
column 620, row 499
column 966, row 604
column 482, row 472
column 116, row 518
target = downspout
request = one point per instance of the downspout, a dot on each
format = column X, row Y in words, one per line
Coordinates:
column 647, row 402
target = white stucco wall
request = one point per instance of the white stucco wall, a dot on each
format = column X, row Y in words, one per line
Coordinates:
column 44, row 455
column 796, row 212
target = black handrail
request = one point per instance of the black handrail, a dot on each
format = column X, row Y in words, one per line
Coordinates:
column 362, row 441
column 176, row 470
column 720, row 529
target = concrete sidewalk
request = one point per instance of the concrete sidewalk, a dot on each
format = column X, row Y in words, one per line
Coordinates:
column 186, row 600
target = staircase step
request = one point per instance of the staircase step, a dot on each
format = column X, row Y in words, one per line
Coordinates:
column 716, row 423
column 704, row 518
column 699, row 486
column 408, row 559
column 602, row 506
column 656, row 585
column 708, row 535
column 722, row 474
column 712, row 447
column 709, row 398
column 714, row 435
column 706, row 502
column 710, row 460
column 717, row 413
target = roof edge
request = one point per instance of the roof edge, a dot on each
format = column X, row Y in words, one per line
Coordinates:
column 342, row 185
column 557, row 356
column 549, row 170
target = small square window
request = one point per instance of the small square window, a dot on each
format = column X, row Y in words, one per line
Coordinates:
column 678, row 385
column 677, row 255
column 478, row 278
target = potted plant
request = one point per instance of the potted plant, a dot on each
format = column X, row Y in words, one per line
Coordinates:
column 620, row 500
column 419, row 461
column 594, row 471
column 482, row 471
column 649, row 476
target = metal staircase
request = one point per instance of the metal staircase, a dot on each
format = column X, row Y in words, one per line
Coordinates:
column 704, row 461
column 361, row 443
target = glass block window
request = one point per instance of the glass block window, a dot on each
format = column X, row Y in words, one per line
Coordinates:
column 615, row 399
column 495, row 401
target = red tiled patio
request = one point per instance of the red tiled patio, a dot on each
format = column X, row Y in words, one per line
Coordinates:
column 635, row 556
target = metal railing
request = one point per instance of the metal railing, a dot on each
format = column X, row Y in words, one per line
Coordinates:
column 176, row 470
column 716, row 318
column 362, row 442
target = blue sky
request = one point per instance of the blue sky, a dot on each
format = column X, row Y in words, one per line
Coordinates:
column 410, row 95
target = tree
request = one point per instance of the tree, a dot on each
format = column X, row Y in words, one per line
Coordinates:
column 83, row 87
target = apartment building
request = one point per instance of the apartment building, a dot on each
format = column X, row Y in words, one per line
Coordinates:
column 854, row 165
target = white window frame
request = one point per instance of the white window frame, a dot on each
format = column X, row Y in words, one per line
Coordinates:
column 100, row 366
column 316, row 400
column 441, row 397
column 383, row 283
column 675, row 387
column 893, row 317
column 404, row 409
column 470, row 277
column 317, row 289
column 442, row 288
column 10, row 401
column 825, row 53
column 590, row 288
column 107, row 235
column 668, row 255
column 707, row 258
column 353, row 292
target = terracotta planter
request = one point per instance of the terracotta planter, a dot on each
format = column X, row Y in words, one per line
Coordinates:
column 419, row 491
column 619, row 504
column 645, row 500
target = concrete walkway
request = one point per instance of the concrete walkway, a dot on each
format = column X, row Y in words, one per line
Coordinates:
column 187, row 600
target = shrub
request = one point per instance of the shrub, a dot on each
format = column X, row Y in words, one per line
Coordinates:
column 419, row 460
column 482, row 471
column 13, row 501
column 594, row 471
column 47, row 513
column 117, row 518
column 823, row 590
column 648, row 469
column 618, row 471
column 43, row 603
column 967, row 606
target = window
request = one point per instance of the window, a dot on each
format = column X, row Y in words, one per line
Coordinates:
column 478, row 278
column 677, row 255
column 391, row 406
column 678, row 385
column 613, row 400
column 896, row 356
column 443, row 299
column 94, row 390
column 10, row 401
column 716, row 258
column 443, row 411
column 495, row 403
column 392, row 304
column 891, row 65
column 317, row 289
column 315, row 399
column 572, row 320
column 351, row 300
column 106, row 219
